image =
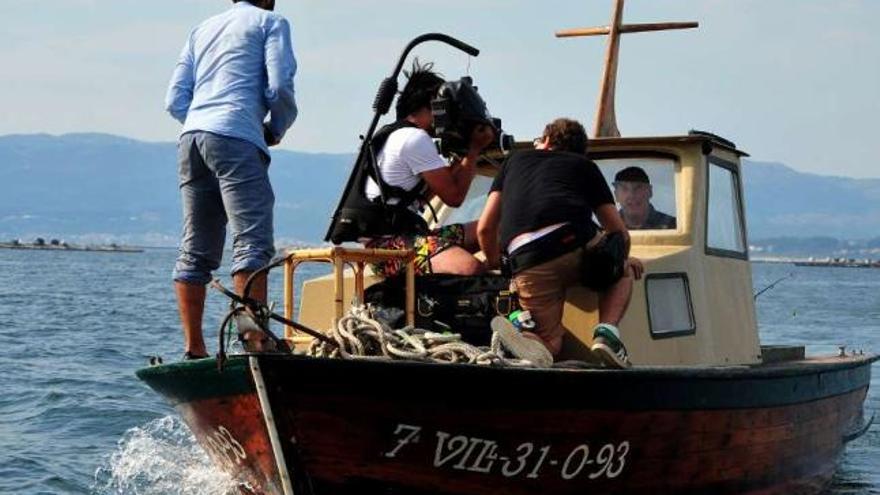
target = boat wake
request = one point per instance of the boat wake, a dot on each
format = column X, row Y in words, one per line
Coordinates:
column 161, row 457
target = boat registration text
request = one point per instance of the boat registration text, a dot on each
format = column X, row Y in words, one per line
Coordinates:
column 527, row 459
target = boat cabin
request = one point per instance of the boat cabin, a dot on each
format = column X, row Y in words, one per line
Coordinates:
column 694, row 305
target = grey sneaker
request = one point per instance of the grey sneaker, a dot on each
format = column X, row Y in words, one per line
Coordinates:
column 519, row 345
column 609, row 347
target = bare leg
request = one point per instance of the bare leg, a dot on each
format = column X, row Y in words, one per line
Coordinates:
column 255, row 340
column 258, row 288
column 457, row 261
column 191, row 305
column 614, row 301
column 471, row 243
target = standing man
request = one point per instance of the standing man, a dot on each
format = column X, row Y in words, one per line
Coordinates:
column 541, row 203
column 235, row 68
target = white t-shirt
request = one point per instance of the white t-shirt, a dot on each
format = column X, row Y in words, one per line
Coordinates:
column 407, row 153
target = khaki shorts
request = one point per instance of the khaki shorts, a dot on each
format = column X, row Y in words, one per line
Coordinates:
column 541, row 291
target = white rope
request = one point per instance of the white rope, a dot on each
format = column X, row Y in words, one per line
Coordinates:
column 359, row 336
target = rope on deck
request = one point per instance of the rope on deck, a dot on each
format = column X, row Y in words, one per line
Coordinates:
column 360, row 336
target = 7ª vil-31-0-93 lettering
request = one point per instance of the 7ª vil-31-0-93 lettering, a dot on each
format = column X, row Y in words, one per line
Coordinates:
column 527, row 459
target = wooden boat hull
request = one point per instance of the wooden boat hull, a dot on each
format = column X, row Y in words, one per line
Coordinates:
column 381, row 427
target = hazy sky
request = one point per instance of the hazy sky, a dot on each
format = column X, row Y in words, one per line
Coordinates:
column 796, row 81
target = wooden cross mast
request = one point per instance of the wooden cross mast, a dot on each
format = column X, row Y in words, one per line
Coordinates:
column 606, row 120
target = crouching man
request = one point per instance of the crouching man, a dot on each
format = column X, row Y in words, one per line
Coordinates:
column 541, row 204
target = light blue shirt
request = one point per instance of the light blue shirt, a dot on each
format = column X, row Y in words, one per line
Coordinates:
column 235, row 68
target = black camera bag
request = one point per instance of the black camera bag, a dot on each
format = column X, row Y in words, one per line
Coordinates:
column 455, row 303
column 603, row 264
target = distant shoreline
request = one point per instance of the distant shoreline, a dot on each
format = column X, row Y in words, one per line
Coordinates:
column 821, row 262
column 133, row 248
column 51, row 247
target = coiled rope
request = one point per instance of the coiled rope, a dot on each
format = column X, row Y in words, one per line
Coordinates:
column 359, row 336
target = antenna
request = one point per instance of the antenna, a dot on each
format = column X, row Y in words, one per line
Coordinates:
column 606, row 119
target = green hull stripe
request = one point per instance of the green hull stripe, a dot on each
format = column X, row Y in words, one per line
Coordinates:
column 194, row 380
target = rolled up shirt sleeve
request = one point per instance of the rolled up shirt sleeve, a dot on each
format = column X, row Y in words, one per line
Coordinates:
column 180, row 89
column 280, row 68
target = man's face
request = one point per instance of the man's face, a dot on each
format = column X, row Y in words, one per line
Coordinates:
column 633, row 197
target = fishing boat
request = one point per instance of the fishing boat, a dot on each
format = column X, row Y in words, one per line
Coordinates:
column 705, row 408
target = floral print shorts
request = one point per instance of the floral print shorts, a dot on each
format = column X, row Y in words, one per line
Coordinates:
column 425, row 246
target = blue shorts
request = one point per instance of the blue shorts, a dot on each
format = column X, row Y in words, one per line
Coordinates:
column 223, row 179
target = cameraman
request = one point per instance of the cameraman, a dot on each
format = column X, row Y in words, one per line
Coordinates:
column 541, row 204
column 409, row 161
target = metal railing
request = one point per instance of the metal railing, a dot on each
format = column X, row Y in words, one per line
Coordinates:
column 340, row 257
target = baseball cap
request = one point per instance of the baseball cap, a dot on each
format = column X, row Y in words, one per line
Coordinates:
column 632, row 174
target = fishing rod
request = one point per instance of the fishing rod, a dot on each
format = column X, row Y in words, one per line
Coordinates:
column 765, row 289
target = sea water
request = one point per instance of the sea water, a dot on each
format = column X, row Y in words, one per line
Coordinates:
column 74, row 327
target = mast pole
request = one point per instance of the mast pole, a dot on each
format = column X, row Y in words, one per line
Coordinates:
column 605, row 124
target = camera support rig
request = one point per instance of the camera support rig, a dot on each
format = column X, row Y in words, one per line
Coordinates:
column 381, row 105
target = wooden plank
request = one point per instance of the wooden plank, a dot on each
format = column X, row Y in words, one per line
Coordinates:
column 626, row 28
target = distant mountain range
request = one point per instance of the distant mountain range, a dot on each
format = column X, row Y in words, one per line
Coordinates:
column 782, row 202
column 102, row 188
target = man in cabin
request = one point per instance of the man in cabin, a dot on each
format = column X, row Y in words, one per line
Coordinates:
column 235, row 68
column 633, row 191
column 541, row 204
column 410, row 164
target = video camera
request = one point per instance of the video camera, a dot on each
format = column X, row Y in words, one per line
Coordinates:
column 458, row 109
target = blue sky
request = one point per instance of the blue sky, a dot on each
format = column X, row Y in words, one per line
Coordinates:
column 794, row 81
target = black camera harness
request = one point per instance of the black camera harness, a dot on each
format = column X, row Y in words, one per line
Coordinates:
column 391, row 213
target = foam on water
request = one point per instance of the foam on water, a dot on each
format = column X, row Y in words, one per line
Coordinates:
column 161, row 457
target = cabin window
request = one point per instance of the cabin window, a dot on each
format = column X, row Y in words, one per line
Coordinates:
column 473, row 204
column 644, row 190
column 670, row 311
column 645, row 205
column 725, row 232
